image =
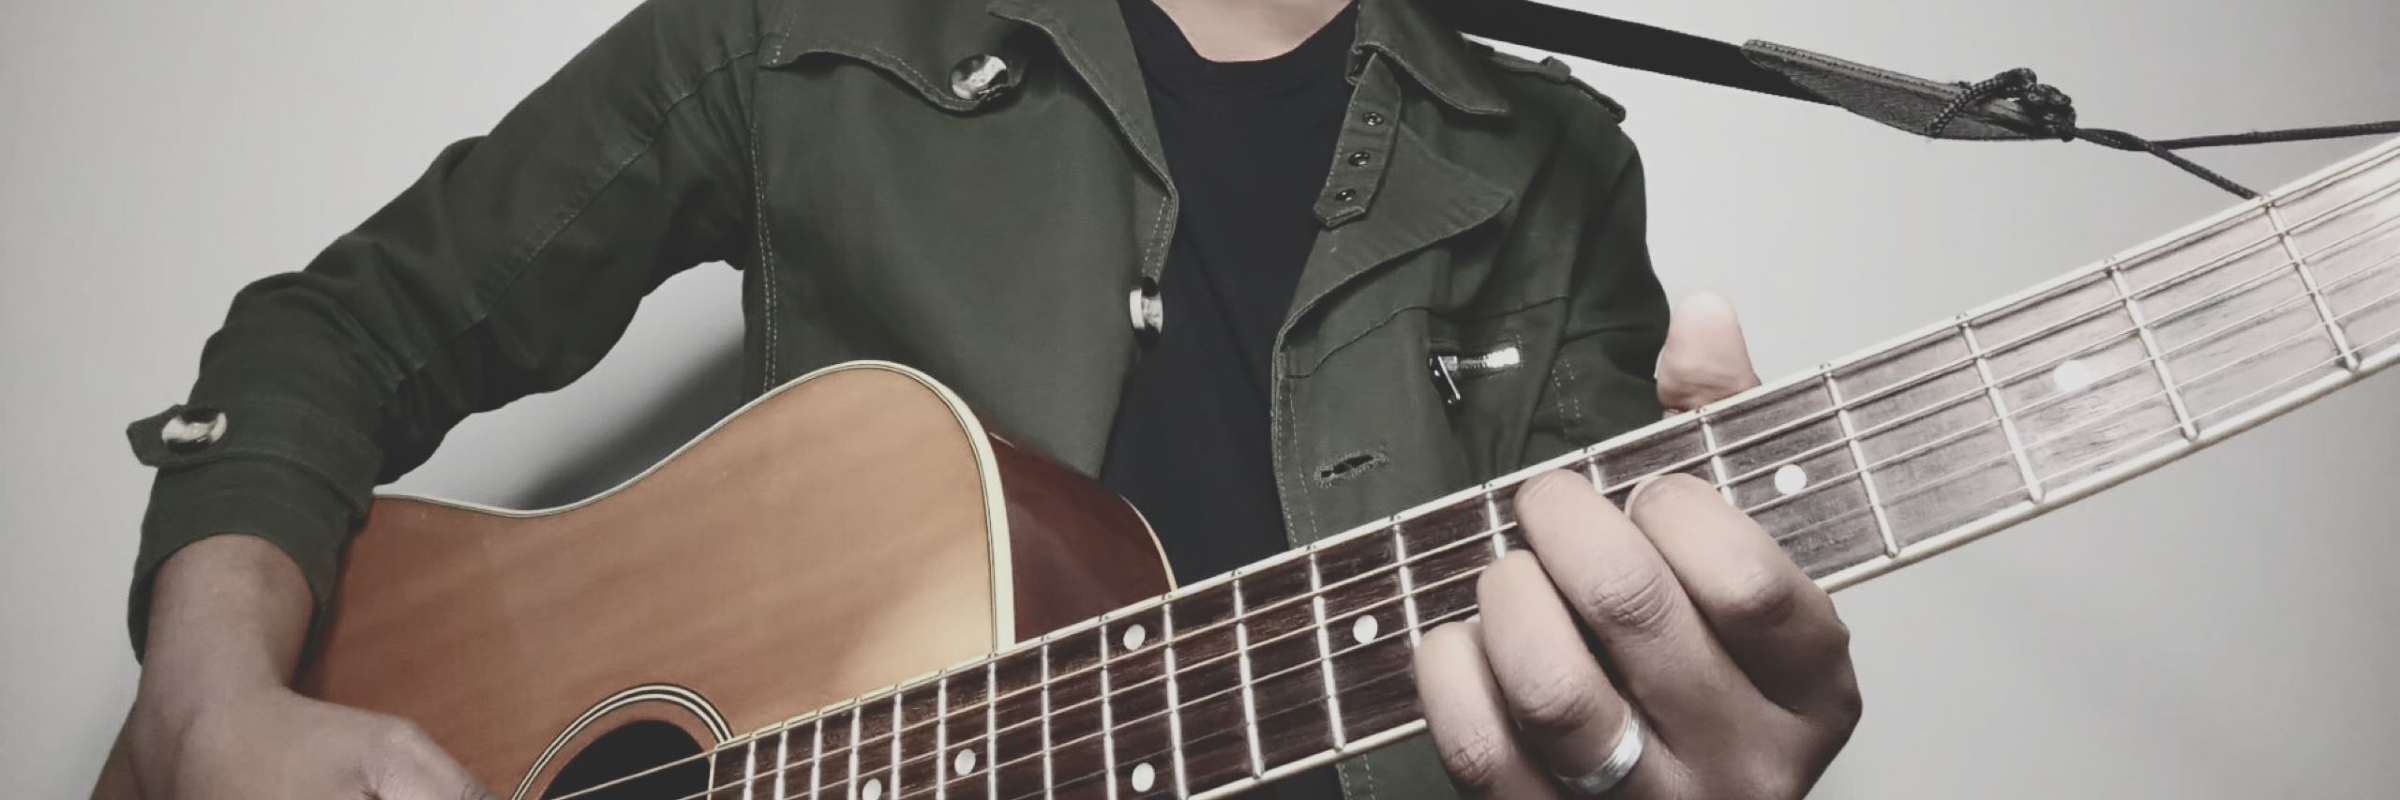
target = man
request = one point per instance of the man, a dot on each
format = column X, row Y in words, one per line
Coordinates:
column 1204, row 249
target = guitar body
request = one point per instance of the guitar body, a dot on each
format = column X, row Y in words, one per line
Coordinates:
column 850, row 531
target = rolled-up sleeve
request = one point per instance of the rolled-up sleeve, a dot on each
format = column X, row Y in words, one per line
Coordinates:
column 508, row 269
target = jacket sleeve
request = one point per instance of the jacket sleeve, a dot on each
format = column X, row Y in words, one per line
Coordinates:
column 1602, row 382
column 509, row 268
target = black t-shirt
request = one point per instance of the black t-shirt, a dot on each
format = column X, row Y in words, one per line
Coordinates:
column 1248, row 145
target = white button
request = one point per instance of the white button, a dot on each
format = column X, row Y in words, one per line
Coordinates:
column 977, row 76
column 1143, row 777
column 1790, row 479
column 2071, row 375
column 872, row 790
column 1135, row 636
column 964, row 764
column 1364, row 629
column 1149, row 313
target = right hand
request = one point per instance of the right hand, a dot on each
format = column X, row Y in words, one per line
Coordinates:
column 273, row 744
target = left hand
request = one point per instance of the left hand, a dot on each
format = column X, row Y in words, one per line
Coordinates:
column 1730, row 658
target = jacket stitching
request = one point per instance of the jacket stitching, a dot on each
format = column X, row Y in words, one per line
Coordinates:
column 1570, row 409
column 767, row 288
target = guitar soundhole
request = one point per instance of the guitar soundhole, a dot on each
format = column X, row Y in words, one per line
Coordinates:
column 631, row 750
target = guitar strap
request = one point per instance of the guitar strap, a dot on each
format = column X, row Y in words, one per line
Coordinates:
column 2012, row 106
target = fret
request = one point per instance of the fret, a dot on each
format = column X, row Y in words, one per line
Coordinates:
column 850, row 747
column 1108, row 719
column 941, row 737
column 964, row 756
column 1591, row 472
column 750, row 771
column 1333, row 700
column 1020, row 756
column 1491, row 523
column 1790, row 466
column 1215, row 725
column 917, row 752
column 991, row 732
column 2359, row 273
column 1141, row 709
column 1408, row 593
column 1924, row 422
column 1439, row 553
column 2008, row 428
column 1858, row 458
column 1166, row 628
column 1678, row 449
column 2156, row 357
column 1279, row 641
column 783, row 761
column 2078, row 376
column 1241, row 657
column 1079, row 743
column 2316, row 294
column 2343, row 208
column 1716, row 460
column 816, row 759
column 1049, row 738
column 891, row 757
column 1367, row 607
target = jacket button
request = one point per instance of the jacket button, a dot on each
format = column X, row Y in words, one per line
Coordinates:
column 1373, row 118
column 1149, row 312
column 1359, row 159
column 1345, row 195
column 978, row 76
column 193, row 429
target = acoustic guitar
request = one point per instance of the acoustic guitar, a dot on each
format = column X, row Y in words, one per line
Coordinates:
column 919, row 609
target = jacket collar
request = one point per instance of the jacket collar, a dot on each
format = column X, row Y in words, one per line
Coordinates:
column 922, row 36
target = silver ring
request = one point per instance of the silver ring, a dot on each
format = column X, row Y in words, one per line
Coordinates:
column 1620, row 763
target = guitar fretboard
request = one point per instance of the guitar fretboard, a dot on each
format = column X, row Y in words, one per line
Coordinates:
column 1856, row 469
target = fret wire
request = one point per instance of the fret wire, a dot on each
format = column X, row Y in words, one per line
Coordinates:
column 850, row 788
column 783, row 764
column 816, row 760
column 1858, row 462
column 1166, row 638
column 1716, row 461
column 1049, row 780
column 1591, row 470
column 2142, row 328
column 750, row 769
column 1491, row 515
column 1241, row 651
column 1108, row 738
column 1409, row 598
column 1333, row 699
column 899, row 725
column 2008, row 427
column 991, row 728
column 941, row 737
column 2341, row 342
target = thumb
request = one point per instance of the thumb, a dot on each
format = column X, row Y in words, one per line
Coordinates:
column 1705, row 359
column 419, row 770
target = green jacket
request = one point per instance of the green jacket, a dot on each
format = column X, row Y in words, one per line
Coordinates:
column 993, row 221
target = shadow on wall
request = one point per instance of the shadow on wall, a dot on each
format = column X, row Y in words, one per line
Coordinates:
column 679, row 409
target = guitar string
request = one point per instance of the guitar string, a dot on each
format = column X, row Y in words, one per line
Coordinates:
column 1317, row 662
column 1476, row 538
column 2363, row 273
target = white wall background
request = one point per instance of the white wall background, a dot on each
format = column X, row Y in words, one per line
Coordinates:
column 2224, row 628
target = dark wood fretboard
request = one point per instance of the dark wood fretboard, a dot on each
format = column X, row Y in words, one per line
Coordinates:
column 1856, row 468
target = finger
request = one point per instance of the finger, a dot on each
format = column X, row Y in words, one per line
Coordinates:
column 1470, row 727
column 1706, row 358
column 1570, row 715
column 417, row 769
column 1779, row 628
column 1616, row 582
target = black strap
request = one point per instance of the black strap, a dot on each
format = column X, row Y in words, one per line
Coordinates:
column 2013, row 105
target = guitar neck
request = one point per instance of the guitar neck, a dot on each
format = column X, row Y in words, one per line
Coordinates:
column 1857, row 468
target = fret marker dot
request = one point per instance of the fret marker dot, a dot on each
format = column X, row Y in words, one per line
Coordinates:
column 2071, row 375
column 1364, row 629
column 1143, row 777
column 1135, row 636
column 964, row 764
column 1790, row 479
column 872, row 790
